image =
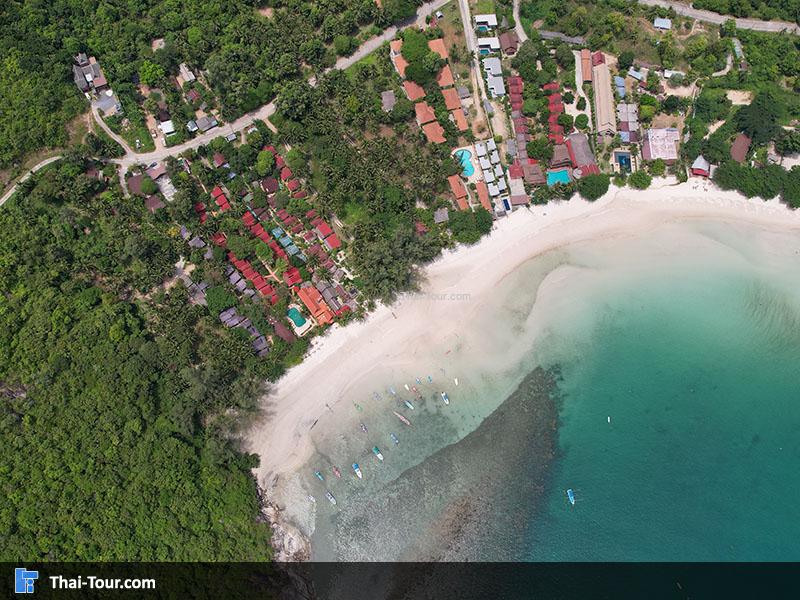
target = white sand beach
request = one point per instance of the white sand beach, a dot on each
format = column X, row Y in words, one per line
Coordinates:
column 396, row 334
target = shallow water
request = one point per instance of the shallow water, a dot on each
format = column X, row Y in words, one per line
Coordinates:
column 689, row 340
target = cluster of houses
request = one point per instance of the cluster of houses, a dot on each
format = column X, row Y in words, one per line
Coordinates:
column 90, row 79
column 507, row 42
column 424, row 113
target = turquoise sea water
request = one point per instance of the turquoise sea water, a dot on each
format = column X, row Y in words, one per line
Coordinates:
column 688, row 338
column 699, row 371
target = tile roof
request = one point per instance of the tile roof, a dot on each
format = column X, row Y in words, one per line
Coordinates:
column 413, row 91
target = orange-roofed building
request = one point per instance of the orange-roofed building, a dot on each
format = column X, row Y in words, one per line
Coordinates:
column 483, row 195
column 413, row 90
column 457, row 187
column 451, row 99
column 434, row 132
column 460, row 119
column 315, row 304
column 438, row 46
column 445, row 77
column 400, row 63
column 586, row 65
column 425, row 113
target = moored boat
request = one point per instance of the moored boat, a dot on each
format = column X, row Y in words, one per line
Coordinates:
column 357, row 471
column 391, row 390
column 571, row 496
column 337, row 472
column 406, row 386
column 319, row 475
column 456, row 380
column 402, row 418
column 418, row 381
column 408, row 404
column 363, row 427
column 394, row 438
column 377, row 452
column 430, row 379
column 445, row 398
column 330, row 497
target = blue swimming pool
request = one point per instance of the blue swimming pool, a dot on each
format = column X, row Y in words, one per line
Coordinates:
column 464, row 156
column 559, row 176
column 623, row 160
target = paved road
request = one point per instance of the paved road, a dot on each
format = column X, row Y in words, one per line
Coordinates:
column 263, row 113
column 718, row 19
column 27, row 176
column 688, row 11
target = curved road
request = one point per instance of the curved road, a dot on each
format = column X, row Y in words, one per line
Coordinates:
column 694, row 13
column 27, row 176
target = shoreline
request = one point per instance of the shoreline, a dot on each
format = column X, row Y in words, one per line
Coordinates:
column 388, row 334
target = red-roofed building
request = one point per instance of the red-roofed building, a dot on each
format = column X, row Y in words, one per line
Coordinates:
column 315, row 304
column 460, row 119
column 323, row 230
column 550, row 87
column 219, row 160
column 445, row 77
column 293, row 185
column 451, row 99
column 420, row 228
column 457, row 186
column 220, row 239
column 300, row 194
column 413, row 91
column 424, row 113
column 269, row 185
column 217, row 191
column 279, row 162
column 292, row 276
column 483, row 194
column 286, row 174
column 434, row 132
column 515, row 170
column 586, row 65
column 248, row 218
column 438, row 46
column 333, row 242
column 598, row 58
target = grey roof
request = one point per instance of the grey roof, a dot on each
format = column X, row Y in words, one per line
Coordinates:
column 197, row 242
column 485, row 163
column 388, row 100
column 206, row 123
column 496, row 86
column 491, row 144
column 495, row 157
column 487, row 106
column 493, row 66
column 480, row 149
column 441, row 215
column 498, row 170
column 463, row 92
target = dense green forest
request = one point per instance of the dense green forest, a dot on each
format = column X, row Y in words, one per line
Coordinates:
column 246, row 52
column 116, row 407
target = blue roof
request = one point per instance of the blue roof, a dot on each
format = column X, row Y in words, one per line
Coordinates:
column 625, row 136
column 621, row 91
column 277, row 232
column 285, row 241
column 291, row 249
column 619, row 81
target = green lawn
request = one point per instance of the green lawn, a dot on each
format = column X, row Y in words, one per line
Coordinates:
column 484, row 7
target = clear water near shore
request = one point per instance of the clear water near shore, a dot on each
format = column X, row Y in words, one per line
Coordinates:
column 688, row 339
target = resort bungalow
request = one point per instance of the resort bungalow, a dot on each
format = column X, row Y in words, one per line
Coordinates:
column 619, row 84
column 662, row 24
column 509, row 42
column 400, row 63
column 586, row 65
column 485, row 22
column 605, row 121
column 459, row 191
column 494, row 76
column 488, row 45
column 701, row 167
column 388, row 100
column 441, row 215
column 740, row 147
column 661, row 143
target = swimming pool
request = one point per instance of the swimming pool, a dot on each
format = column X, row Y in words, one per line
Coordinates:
column 559, row 176
column 623, row 160
column 464, row 156
column 296, row 317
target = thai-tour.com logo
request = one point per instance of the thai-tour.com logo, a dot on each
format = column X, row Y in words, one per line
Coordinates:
column 24, row 580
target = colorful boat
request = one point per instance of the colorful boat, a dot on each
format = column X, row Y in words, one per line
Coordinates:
column 418, row 381
column 337, row 472
column 330, row 497
column 445, row 398
column 394, row 438
column 377, row 452
column 391, row 389
column 357, row 471
column 408, row 404
column 402, row 418
column 456, row 380
column 430, row 379
column 363, row 427
column 406, row 386
column 571, row 496
column 319, row 475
